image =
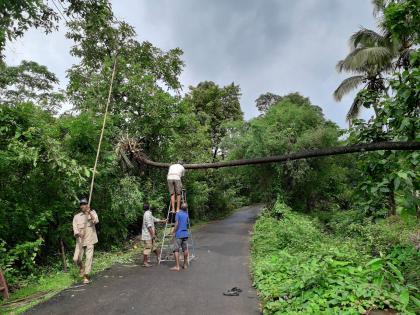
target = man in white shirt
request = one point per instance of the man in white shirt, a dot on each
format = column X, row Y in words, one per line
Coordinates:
column 148, row 234
column 176, row 171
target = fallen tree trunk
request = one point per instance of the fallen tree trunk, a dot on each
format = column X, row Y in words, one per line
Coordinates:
column 141, row 158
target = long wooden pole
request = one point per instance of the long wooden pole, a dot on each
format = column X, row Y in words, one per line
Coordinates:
column 103, row 128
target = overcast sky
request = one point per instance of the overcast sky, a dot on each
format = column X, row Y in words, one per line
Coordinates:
column 277, row 46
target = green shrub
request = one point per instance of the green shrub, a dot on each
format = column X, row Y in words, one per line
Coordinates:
column 298, row 269
column 375, row 237
column 19, row 262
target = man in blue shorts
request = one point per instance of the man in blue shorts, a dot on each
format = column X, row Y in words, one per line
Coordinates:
column 181, row 236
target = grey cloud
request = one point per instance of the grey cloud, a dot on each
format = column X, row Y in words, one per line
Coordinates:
column 276, row 46
column 268, row 45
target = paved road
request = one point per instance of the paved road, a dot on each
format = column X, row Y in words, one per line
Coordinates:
column 222, row 250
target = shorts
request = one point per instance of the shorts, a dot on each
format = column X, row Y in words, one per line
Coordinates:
column 180, row 243
column 149, row 247
column 175, row 186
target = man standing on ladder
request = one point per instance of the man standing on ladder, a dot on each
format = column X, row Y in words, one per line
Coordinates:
column 181, row 236
column 176, row 171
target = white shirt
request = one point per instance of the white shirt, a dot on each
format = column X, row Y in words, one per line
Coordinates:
column 148, row 222
column 176, row 171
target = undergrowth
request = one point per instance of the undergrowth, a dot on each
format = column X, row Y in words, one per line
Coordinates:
column 298, row 268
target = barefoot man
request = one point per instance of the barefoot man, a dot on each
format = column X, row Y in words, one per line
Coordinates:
column 148, row 235
column 181, row 236
column 85, row 233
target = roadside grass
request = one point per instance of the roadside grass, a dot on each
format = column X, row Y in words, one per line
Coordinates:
column 52, row 283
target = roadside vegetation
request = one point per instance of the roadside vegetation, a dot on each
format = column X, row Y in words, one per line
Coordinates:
column 303, row 265
column 347, row 241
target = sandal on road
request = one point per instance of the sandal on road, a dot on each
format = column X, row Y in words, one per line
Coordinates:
column 231, row 293
column 236, row 289
column 146, row 265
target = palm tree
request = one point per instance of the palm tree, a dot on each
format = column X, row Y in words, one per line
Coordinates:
column 370, row 57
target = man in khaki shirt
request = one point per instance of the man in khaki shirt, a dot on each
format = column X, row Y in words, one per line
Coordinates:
column 85, row 233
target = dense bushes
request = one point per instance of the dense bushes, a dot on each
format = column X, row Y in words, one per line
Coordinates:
column 299, row 269
column 290, row 125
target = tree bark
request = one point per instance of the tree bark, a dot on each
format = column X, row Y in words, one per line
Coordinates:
column 3, row 286
column 366, row 147
column 63, row 255
column 392, row 210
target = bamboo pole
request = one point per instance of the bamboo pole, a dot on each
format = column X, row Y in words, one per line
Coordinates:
column 103, row 129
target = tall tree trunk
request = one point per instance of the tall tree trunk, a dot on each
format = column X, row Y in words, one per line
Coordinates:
column 3, row 286
column 63, row 255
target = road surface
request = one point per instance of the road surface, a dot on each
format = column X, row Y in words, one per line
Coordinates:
column 222, row 250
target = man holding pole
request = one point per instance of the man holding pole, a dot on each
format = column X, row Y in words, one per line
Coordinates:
column 85, row 233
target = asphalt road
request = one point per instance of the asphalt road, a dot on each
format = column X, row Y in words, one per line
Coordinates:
column 222, row 250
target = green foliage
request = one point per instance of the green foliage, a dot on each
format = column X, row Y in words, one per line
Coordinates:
column 298, row 269
column 20, row 259
column 391, row 176
column 19, row 15
column 390, row 179
column 374, row 236
column 125, row 209
column 29, row 82
column 39, row 184
column 291, row 125
column 214, row 106
column 402, row 19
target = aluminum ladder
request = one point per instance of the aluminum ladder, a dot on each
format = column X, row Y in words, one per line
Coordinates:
column 166, row 253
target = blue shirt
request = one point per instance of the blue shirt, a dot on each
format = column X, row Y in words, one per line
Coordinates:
column 182, row 218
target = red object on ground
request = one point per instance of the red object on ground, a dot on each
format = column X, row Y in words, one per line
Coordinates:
column 3, row 286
